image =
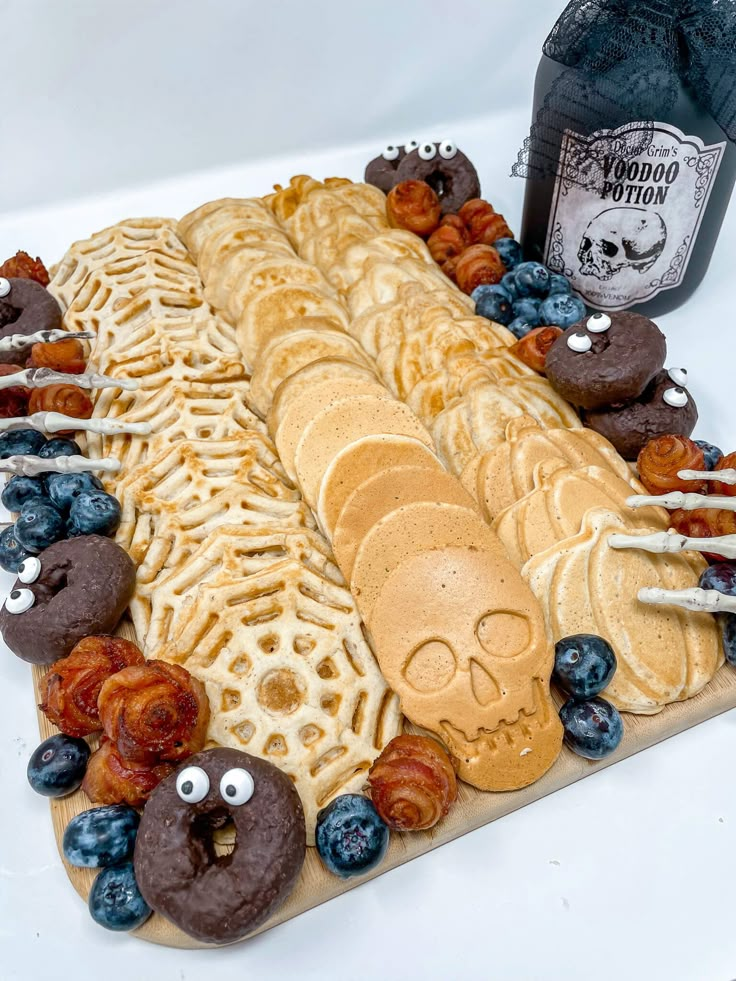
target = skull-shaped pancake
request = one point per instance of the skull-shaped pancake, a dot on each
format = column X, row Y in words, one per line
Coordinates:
column 461, row 639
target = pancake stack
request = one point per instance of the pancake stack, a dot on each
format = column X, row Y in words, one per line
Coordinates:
column 516, row 445
column 366, row 467
column 233, row 580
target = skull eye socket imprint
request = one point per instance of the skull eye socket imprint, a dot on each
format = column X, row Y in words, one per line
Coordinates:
column 431, row 666
column 504, row 634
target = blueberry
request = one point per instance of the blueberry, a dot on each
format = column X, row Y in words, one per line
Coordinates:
column 720, row 576
column 584, row 665
column 100, row 837
column 16, row 441
column 494, row 303
column 532, row 279
column 57, row 766
column 351, row 837
column 509, row 284
column 58, row 446
column 711, row 453
column 593, row 729
column 509, row 250
column 95, row 513
column 115, row 901
column 20, row 489
column 63, row 488
column 12, row 552
column 558, row 284
column 728, row 627
column 520, row 327
column 528, row 309
column 39, row 525
column 562, row 310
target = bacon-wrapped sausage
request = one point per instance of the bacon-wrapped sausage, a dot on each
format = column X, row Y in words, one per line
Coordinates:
column 70, row 690
column 479, row 264
column 662, row 459
column 154, row 710
column 412, row 783
column 70, row 400
column 413, row 205
column 110, row 779
column 533, row 347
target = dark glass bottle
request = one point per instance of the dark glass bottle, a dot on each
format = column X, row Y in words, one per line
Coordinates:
column 634, row 230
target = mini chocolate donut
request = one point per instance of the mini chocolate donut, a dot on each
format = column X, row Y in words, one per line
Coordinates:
column 665, row 407
column 381, row 172
column 606, row 359
column 219, row 900
column 448, row 172
column 73, row 589
column 32, row 308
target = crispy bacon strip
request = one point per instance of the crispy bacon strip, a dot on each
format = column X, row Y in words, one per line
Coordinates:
column 112, row 780
column 154, row 710
column 412, row 783
column 70, row 690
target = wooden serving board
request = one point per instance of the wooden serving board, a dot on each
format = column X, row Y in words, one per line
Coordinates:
column 472, row 809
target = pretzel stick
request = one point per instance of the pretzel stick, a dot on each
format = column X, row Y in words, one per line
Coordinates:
column 30, row 466
column 697, row 600
column 666, row 541
column 688, row 502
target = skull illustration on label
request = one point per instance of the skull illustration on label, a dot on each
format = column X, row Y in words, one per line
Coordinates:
column 626, row 210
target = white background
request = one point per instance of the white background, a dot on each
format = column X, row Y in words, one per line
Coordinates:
column 626, row 875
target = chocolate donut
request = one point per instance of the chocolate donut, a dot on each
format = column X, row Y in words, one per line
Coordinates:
column 606, row 360
column 221, row 899
column 448, row 172
column 26, row 307
column 381, row 172
column 665, row 407
column 74, row 588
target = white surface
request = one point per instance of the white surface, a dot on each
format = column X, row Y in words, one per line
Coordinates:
column 97, row 95
column 625, row 875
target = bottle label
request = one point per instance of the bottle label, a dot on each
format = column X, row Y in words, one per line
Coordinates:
column 626, row 210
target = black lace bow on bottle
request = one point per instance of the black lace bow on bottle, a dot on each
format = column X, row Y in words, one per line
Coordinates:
column 627, row 60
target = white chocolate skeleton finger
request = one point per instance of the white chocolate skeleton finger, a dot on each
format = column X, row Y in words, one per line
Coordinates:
column 725, row 476
column 42, row 377
column 697, row 600
column 688, row 502
column 55, row 422
column 17, row 342
column 31, row 466
column 666, row 541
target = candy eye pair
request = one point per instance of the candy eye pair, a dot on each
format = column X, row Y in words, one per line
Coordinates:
column 236, row 786
column 597, row 324
column 427, row 151
column 21, row 600
column 4, row 286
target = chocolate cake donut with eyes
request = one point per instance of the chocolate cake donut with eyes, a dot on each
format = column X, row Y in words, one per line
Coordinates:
column 73, row 589
column 25, row 307
column 606, row 359
column 446, row 169
column 665, row 407
column 220, row 899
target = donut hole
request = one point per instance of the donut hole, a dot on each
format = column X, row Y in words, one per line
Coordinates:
column 439, row 183
column 215, row 835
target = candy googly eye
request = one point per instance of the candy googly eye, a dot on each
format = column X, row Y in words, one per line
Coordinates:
column 391, row 153
column 676, row 397
column 237, row 786
column 4, row 286
column 447, row 149
column 411, row 145
column 192, row 784
column 579, row 343
column 598, row 323
column 19, row 601
column 678, row 376
column 29, row 570
column 427, row 151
